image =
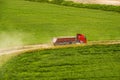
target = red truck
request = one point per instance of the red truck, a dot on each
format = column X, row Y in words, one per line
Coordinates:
column 80, row 38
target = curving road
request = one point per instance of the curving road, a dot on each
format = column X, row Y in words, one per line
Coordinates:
column 24, row 48
column 108, row 2
column 48, row 46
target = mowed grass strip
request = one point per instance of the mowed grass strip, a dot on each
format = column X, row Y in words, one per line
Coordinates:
column 36, row 22
column 97, row 62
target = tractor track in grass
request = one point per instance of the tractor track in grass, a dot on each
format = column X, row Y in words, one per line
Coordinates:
column 27, row 48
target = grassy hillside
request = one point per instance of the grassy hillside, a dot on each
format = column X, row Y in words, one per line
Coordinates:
column 27, row 22
column 81, row 5
column 96, row 62
column 23, row 22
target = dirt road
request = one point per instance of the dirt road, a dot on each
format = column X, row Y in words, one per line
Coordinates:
column 21, row 49
column 47, row 46
column 108, row 2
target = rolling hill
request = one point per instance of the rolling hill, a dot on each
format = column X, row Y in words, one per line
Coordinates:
column 33, row 23
column 24, row 22
column 97, row 62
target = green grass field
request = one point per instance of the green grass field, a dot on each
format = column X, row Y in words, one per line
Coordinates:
column 33, row 22
column 97, row 62
column 23, row 22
